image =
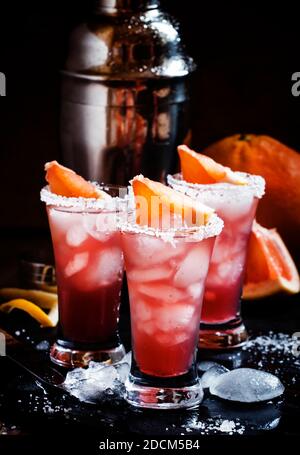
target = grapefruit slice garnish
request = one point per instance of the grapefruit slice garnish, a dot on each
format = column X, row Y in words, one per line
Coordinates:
column 198, row 168
column 270, row 267
column 155, row 202
column 65, row 182
column 44, row 299
column 45, row 320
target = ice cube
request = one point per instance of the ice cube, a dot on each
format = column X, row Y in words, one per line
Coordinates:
column 148, row 327
column 77, row 263
column 142, row 311
column 230, row 245
column 164, row 293
column 221, row 250
column 196, row 290
column 236, row 271
column 110, row 265
column 247, row 385
column 226, row 272
column 127, row 358
column 43, row 345
column 172, row 338
column 91, row 384
column 180, row 337
column 75, row 376
column 100, row 226
column 146, row 251
column 123, row 370
column 170, row 318
column 205, row 365
column 193, row 268
column 148, row 275
column 164, row 338
column 61, row 221
column 234, row 206
column 76, row 235
column 212, row 374
column 105, row 268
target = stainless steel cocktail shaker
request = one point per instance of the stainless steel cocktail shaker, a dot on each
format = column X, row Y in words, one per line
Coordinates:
column 124, row 101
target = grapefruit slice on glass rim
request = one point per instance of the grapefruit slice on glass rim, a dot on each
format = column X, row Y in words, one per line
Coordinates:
column 154, row 201
column 270, row 267
column 65, row 182
column 199, row 168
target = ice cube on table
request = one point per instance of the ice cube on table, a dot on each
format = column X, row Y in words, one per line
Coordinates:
column 205, row 365
column 95, row 382
column 43, row 345
column 127, row 358
column 193, row 268
column 212, row 374
column 75, row 376
column 123, row 370
column 247, row 385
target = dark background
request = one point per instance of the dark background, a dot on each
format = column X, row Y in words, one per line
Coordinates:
column 246, row 55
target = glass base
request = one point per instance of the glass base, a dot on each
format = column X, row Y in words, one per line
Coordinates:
column 162, row 397
column 72, row 358
column 222, row 336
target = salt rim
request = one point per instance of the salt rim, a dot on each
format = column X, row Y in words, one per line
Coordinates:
column 212, row 228
column 116, row 203
column 255, row 183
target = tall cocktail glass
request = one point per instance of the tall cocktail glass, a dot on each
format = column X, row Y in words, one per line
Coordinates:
column 89, row 270
column 221, row 323
column 166, row 273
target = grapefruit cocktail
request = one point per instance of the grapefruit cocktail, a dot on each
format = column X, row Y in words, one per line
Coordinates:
column 89, row 266
column 235, row 197
column 166, row 291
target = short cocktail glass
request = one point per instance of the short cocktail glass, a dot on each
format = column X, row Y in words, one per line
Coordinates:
column 165, row 292
column 221, row 323
column 89, row 270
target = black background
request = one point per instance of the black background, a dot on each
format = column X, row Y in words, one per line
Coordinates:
column 246, row 55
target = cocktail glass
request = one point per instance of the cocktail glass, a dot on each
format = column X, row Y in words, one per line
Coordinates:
column 221, row 323
column 166, row 272
column 89, row 270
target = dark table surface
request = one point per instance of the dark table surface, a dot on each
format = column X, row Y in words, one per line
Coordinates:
column 29, row 412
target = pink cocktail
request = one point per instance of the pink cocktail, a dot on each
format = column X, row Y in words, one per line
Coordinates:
column 221, row 324
column 89, row 269
column 166, row 291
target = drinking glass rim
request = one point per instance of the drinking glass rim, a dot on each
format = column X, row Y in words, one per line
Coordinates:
column 212, row 228
column 255, row 184
column 82, row 204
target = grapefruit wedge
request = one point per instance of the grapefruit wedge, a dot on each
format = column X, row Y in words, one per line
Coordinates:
column 65, row 182
column 270, row 267
column 198, row 168
column 154, row 201
column 45, row 320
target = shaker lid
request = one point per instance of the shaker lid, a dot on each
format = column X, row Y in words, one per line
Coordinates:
column 117, row 6
column 130, row 44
